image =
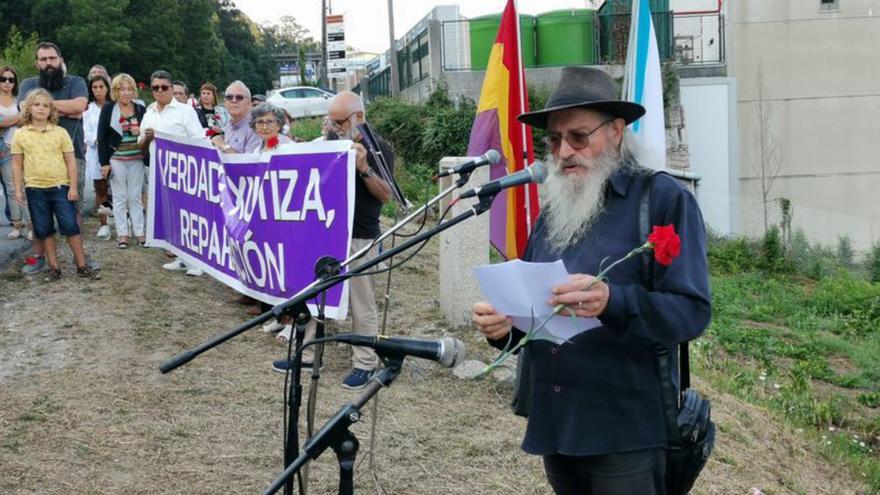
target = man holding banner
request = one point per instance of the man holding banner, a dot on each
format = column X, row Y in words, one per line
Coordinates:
column 168, row 115
column 346, row 112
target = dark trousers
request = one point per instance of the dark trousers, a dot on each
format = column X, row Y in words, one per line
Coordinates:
column 641, row 472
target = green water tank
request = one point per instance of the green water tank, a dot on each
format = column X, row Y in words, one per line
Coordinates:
column 484, row 30
column 566, row 37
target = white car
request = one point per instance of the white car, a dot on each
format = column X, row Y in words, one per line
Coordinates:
column 301, row 101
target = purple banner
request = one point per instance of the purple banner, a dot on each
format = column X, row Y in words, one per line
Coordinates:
column 257, row 223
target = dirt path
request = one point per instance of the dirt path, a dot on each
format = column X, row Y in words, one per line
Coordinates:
column 84, row 409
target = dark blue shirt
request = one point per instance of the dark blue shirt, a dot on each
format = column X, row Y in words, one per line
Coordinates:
column 600, row 393
column 74, row 87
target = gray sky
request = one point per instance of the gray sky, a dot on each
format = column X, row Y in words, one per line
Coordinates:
column 366, row 21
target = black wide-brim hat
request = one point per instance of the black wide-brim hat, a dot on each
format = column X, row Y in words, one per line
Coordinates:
column 584, row 87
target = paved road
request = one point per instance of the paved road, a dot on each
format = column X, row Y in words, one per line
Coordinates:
column 9, row 250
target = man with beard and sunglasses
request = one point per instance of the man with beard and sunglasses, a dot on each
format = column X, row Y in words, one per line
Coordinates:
column 596, row 411
column 71, row 98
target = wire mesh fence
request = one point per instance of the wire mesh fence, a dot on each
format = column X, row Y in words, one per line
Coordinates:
column 795, row 239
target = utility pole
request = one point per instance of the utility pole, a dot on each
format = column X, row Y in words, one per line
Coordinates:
column 395, row 86
column 324, row 82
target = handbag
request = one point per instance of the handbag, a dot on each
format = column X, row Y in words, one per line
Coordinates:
column 688, row 415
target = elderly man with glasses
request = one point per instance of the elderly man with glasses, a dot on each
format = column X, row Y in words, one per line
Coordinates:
column 169, row 116
column 346, row 113
column 596, row 403
column 238, row 134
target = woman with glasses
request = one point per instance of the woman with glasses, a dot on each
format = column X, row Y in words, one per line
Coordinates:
column 99, row 94
column 122, row 159
column 9, row 117
column 267, row 120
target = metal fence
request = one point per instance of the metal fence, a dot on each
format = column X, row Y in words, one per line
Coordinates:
column 699, row 39
column 455, row 40
column 686, row 39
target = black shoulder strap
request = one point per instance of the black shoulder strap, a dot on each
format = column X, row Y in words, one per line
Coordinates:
column 664, row 354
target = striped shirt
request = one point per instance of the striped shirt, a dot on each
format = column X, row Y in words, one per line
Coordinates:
column 128, row 148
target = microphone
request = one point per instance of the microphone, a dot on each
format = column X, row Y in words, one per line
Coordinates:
column 490, row 157
column 536, row 172
column 447, row 351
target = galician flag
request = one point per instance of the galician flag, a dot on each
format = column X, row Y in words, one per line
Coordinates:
column 642, row 84
column 503, row 97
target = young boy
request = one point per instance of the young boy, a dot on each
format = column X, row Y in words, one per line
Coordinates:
column 44, row 169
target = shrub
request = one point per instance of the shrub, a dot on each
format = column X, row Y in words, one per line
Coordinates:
column 772, row 254
column 446, row 133
column 401, row 124
column 846, row 295
column 307, row 129
column 734, row 255
column 874, row 263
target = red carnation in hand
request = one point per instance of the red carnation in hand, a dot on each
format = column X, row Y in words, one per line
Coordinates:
column 666, row 244
column 121, row 120
column 272, row 142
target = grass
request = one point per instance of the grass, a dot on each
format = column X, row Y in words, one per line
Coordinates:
column 806, row 350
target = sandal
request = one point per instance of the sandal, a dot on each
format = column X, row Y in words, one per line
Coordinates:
column 284, row 335
column 142, row 243
column 122, row 244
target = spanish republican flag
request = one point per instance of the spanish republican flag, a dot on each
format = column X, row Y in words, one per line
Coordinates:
column 503, row 97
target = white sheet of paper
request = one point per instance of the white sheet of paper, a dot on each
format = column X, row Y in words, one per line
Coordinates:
column 520, row 289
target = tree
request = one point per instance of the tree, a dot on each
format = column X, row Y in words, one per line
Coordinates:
column 768, row 163
column 97, row 33
column 19, row 52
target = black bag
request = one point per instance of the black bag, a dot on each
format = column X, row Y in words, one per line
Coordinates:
column 688, row 422
column 686, row 459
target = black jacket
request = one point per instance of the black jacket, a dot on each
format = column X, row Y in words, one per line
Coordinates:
column 108, row 138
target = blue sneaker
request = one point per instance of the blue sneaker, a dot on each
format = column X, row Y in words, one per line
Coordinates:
column 357, row 379
column 34, row 265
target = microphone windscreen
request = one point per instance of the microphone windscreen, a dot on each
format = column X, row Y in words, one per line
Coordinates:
column 539, row 172
column 452, row 353
column 493, row 157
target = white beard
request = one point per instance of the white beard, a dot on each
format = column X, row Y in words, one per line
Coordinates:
column 571, row 204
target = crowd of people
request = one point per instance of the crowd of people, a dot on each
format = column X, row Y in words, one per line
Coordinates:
column 60, row 132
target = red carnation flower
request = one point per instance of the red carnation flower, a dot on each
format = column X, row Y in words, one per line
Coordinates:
column 30, row 260
column 142, row 85
column 666, row 244
column 121, row 120
column 272, row 142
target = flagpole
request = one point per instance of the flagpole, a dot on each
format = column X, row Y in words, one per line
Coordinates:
column 521, row 77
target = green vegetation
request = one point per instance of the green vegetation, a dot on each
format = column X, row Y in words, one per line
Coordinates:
column 802, row 341
column 196, row 40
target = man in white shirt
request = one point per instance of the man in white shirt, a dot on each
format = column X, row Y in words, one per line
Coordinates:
column 169, row 116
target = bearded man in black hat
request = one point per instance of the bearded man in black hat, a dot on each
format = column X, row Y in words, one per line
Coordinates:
column 596, row 411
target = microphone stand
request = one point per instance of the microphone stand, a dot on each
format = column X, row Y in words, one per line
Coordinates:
column 320, row 284
column 324, row 283
column 336, row 435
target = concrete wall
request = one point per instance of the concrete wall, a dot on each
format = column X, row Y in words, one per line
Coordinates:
column 462, row 247
column 821, row 95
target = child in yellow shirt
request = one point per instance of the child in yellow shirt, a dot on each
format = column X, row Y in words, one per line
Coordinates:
column 44, row 170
